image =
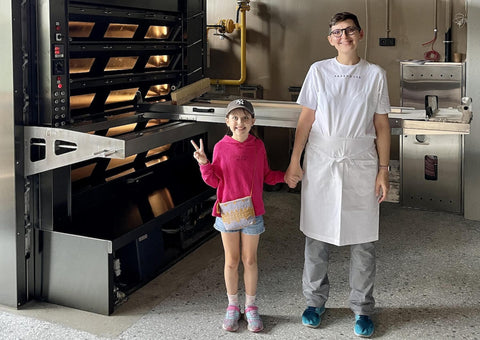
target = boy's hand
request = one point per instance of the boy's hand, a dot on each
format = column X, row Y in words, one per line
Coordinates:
column 382, row 185
column 293, row 175
column 199, row 153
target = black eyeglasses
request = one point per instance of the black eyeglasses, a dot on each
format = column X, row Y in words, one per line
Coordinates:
column 350, row 30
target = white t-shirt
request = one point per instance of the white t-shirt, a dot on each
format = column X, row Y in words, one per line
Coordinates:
column 345, row 97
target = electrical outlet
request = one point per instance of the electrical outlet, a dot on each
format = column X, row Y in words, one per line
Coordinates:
column 387, row 41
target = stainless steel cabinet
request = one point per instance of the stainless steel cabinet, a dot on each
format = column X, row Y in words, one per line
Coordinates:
column 431, row 165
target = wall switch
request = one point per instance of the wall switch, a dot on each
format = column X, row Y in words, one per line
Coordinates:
column 387, row 41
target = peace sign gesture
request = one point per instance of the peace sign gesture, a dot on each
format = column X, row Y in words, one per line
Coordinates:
column 199, row 153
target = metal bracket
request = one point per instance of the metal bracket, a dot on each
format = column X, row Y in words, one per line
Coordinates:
column 50, row 148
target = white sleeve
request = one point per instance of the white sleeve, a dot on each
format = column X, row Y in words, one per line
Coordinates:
column 383, row 105
column 308, row 95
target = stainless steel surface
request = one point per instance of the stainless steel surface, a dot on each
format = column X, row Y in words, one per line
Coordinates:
column 446, row 80
column 79, row 146
column 64, row 147
column 444, row 193
column 267, row 113
column 431, row 163
column 285, row 114
column 77, row 271
column 472, row 142
column 12, row 242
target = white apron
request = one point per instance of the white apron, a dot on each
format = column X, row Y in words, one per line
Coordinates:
column 339, row 205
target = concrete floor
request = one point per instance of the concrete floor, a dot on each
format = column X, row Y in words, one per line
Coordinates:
column 427, row 287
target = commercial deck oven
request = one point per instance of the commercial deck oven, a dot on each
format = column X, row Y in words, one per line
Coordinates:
column 98, row 199
column 431, row 164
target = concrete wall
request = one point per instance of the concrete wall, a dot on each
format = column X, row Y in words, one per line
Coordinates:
column 284, row 38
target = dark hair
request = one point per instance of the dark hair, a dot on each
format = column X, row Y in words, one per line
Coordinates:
column 342, row 16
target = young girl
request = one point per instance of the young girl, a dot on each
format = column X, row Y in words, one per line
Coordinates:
column 239, row 167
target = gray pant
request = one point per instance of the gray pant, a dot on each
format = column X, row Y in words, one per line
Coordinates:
column 362, row 275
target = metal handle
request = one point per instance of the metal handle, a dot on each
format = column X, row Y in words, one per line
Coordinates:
column 196, row 109
column 104, row 153
column 136, row 179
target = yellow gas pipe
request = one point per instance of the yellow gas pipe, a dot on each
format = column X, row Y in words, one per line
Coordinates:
column 244, row 6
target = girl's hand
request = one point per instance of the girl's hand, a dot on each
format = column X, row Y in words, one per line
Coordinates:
column 199, row 153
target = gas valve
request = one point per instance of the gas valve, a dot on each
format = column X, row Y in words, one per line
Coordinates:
column 226, row 26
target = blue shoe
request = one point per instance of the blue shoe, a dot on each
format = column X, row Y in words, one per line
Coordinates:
column 311, row 316
column 363, row 326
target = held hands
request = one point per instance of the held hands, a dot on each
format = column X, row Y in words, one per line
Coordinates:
column 199, row 153
column 293, row 175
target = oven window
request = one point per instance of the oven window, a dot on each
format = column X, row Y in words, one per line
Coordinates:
column 118, row 130
column 82, row 172
column 121, row 63
column 81, row 65
column 158, row 90
column 154, row 156
column 80, row 29
column 118, row 96
column 160, row 201
column 158, row 61
column 120, row 31
column 158, row 150
column 158, row 32
column 81, row 101
column 120, row 175
column 116, row 162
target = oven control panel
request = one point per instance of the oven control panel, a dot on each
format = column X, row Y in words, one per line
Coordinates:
column 54, row 70
column 59, row 76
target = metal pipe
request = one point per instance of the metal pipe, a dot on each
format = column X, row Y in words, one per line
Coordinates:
column 448, row 33
column 243, row 50
column 388, row 18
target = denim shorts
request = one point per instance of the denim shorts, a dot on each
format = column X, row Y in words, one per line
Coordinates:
column 254, row 229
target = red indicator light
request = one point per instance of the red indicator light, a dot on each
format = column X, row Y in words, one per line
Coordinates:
column 59, row 86
column 57, row 28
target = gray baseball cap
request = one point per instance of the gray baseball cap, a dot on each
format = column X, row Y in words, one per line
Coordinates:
column 240, row 104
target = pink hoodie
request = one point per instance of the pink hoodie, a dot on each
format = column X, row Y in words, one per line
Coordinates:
column 232, row 169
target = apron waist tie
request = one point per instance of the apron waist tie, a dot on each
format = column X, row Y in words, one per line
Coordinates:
column 341, row 150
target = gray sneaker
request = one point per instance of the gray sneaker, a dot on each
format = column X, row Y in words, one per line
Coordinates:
column 230, row 323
